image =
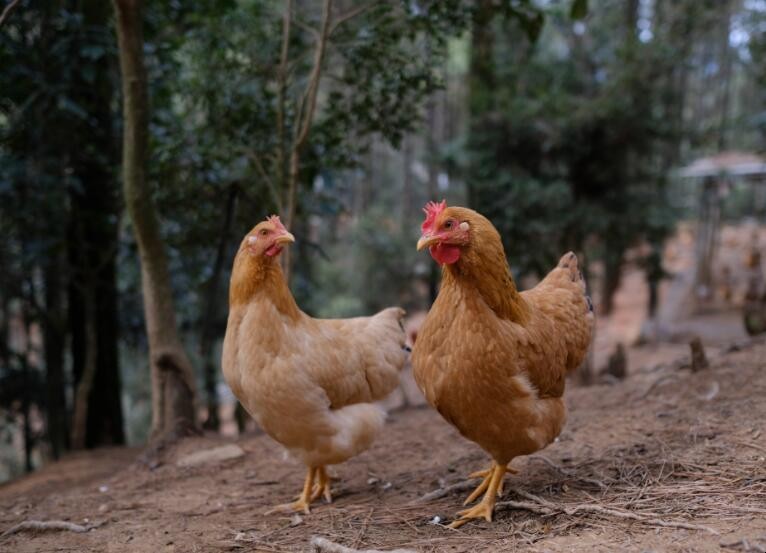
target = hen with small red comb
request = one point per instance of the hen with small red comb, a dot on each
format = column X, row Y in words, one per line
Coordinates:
column 432, row 211
column 492, row 360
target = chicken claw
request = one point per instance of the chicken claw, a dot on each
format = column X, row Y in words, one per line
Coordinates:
column 486, row 474
column 304, row 500
column 486, row 506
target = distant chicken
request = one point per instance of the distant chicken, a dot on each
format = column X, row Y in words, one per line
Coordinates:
column 309, row 383
column 493, row 361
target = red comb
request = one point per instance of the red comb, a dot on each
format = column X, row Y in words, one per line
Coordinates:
column 274, row 219
column 432, row 210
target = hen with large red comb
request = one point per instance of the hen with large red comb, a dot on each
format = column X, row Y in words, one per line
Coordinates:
column 432, row 210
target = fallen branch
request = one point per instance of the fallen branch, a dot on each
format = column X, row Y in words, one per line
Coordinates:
column 322, row 545
column 597, row 509
column 660, row 380
column 441, row 492
column 754, row 446
column 49, row 525
column 746, row 545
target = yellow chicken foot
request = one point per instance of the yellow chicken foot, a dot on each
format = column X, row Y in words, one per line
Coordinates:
column 322, row 487
column 486, row 474
column 484, row 508
column 304, row 500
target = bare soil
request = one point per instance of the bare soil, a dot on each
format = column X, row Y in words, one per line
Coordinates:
column 667, row 460
column 664, row 448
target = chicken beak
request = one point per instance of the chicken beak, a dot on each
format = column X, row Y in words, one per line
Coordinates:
column 426, row 241
column 286, row 238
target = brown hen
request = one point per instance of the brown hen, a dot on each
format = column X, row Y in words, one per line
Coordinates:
column 492, row 360
column 309, row 383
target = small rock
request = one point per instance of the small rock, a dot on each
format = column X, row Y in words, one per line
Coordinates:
column 372, row 481
column 436, row 520
column 214, row 455
column 296, row 520
column 103, row 508
column 387, row 485
column 103, row 488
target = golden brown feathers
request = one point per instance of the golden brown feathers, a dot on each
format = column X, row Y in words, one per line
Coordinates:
column 491, row 360
column 309, row 383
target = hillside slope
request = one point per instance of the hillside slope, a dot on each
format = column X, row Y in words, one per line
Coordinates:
column 637, row 461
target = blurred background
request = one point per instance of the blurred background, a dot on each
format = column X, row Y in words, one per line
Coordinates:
column 629, row 131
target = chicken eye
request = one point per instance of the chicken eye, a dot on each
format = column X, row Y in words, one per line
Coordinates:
column 264, row 232
column 448, row 225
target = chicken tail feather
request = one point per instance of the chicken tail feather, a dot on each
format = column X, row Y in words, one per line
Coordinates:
column 570, row 265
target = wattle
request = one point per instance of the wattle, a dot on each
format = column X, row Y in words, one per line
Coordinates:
column 444, row 254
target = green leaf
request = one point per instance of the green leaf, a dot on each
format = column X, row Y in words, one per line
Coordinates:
column 579, row 9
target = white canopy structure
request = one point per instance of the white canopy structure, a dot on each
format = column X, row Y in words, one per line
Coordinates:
column 734, row 164
column 716, row 172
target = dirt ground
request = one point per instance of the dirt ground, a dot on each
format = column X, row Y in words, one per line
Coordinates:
column 664, row 448
column 666, row 460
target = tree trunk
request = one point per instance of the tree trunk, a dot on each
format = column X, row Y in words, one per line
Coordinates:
column 26, row 386
column 92, row 240
column 85, row 385
column 25, row 408
column 105, row 421
column 92, row 244
column 707, row 238
column 726, row 75
column 611, row 282
column 173, row 389
column 56, row 412
column 303, row 124
column 240, row 416
column 408, row 196
column 212, row 300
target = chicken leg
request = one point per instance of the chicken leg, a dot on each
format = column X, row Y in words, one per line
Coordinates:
column 322, row 486
column 486, row 474
column 306, row 497
column 484, row 508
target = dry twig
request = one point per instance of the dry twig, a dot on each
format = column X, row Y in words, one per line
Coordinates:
column 598, row 509
column 322, row 545
column 441, row 492
column 660, row 380
column 49, row 525
column 754, row 446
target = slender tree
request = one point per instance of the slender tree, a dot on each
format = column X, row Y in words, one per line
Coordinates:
column 212, row 308
column 173, row 389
